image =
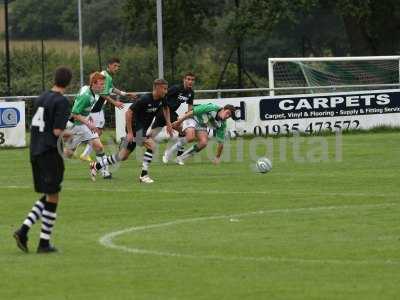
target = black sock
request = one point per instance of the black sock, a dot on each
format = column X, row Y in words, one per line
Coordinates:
column 180, row 151
column 24, row 229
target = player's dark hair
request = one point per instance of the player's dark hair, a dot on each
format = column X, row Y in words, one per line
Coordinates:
column 231, row 108
column 113, row 60
column 191, row 74
column 160, row 82
column 62, row 76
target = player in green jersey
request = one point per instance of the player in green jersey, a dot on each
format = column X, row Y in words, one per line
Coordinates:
column 97, row 114
column 205, row 116
column 114, row 64
column 84, row 130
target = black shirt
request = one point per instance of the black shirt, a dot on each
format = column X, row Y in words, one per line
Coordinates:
column 177, row 95
column 144, row 111
column 51, row 111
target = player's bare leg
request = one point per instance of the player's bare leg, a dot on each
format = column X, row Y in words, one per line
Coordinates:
column 189, row 137
column 202, row 141
column 96, row 118
column 85, row 156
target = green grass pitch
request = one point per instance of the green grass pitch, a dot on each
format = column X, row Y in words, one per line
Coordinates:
column 310, row 229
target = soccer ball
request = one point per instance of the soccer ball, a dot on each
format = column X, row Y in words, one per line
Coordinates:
column 263, row 165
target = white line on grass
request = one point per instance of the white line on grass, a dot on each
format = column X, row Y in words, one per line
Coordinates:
column 210, row 192
column 107, row 240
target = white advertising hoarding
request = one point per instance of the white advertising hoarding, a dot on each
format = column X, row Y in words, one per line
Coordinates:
column 12, row 124
column 305, row 113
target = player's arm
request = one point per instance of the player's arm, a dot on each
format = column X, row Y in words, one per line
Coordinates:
column 61, row 116
column 122, row 93
column 57, row 132
column 185, row 116
column 64, row 133
column 86, row 121
column 190, row 102
column 129, row 117
column 171, row 94
column 80, row 104
column 117, row 104
column 220, row 135
column 198, row 110
column 167, row 116
column 220, row 148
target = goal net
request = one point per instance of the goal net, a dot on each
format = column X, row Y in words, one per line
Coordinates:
column 327, row 74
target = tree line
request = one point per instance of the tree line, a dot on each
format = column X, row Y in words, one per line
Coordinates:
column 232, row 37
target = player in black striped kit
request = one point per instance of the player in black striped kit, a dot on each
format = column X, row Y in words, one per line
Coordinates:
column 138, row 118
column 177, row 95
column 51, row 113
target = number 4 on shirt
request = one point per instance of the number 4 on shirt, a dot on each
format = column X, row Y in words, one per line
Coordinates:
column 38, row 119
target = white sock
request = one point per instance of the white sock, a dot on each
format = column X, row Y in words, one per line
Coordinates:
column 190, row 152
column 174, row 148
column 101, row 158
column 87, row 150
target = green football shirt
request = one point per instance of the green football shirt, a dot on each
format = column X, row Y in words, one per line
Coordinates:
column 84, row 102
column 108, row 84
column 206, row 116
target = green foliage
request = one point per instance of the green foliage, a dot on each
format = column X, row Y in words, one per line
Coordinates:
column 138, row 69
column 203, row 31
column 357, row 9
column 38, row 19
column 102, row 20
column 184, row 23
column 206, row 63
